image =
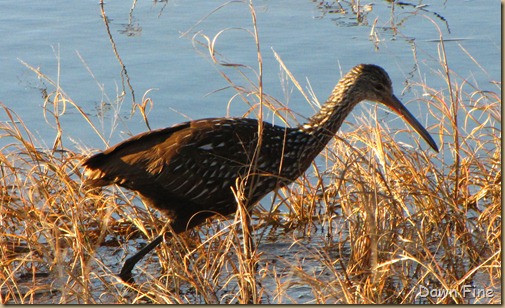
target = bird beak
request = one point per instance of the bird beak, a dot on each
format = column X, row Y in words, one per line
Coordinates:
column 395, row 104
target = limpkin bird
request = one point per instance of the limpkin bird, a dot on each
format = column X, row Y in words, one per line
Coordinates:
column 188, row 170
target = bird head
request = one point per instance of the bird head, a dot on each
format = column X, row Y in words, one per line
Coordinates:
column 371, row 82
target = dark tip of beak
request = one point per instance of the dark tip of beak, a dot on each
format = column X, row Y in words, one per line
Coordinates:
column 433, row 145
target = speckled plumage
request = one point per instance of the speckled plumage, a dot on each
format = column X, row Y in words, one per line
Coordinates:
column 187, row 171
column 191, row 167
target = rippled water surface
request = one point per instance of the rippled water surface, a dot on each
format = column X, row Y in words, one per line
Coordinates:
column 69, row 43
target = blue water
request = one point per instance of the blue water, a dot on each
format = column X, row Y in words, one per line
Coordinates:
column 316, row 47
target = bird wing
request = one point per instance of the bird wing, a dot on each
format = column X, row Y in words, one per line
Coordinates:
column 196, row 161
column 126, row 159
column 210, row 155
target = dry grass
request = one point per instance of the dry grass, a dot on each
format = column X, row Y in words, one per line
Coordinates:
column 371, row 222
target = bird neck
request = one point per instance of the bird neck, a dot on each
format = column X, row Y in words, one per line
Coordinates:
column 325, row 124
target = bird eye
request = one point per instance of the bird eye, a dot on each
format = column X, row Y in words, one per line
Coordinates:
column 379, row 87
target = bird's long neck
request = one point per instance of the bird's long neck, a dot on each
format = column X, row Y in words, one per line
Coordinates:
column 324, row 125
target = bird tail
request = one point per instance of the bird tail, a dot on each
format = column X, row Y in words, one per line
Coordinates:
column 95, row 177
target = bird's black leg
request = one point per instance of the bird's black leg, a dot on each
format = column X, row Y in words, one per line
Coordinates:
column 126, row 271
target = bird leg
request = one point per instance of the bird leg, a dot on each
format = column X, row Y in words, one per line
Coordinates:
column 126, row 271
